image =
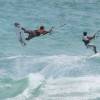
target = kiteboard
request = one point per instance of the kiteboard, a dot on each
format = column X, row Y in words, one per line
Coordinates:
column 20, row 36
column 97, row 55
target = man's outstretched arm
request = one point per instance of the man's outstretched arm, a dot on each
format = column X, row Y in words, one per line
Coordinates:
column 48, row 31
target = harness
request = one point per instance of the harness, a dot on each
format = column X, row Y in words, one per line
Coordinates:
column 85, row 40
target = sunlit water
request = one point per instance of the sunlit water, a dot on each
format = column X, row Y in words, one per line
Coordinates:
column 50, row 67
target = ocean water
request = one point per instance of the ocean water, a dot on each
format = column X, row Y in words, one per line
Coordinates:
column 50, row 67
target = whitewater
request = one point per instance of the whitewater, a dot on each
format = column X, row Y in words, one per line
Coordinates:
column 55, row 66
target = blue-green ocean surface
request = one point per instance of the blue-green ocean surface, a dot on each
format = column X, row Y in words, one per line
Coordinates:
column 49, row 67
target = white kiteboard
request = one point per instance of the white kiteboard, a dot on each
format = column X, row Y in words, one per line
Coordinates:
column 97, row 55
column 20, row 36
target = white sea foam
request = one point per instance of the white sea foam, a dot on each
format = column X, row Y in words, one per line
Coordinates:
column 10, row 57
column 55, row 65
column 45, row 63
column 35, row 82
column 75, row 88
column 69, row 88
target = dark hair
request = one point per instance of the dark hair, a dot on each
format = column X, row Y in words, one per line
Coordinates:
column 84, row 33
column 41, row 27
column 16, row 24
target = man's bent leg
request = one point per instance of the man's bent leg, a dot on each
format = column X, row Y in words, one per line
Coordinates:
column 94, row 48
column 26, row 31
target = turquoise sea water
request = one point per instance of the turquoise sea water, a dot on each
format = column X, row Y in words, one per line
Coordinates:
column 50, row 67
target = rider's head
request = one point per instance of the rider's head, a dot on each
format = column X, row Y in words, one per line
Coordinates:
column 84, row 33
column 16, row 24
column 42, row 27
